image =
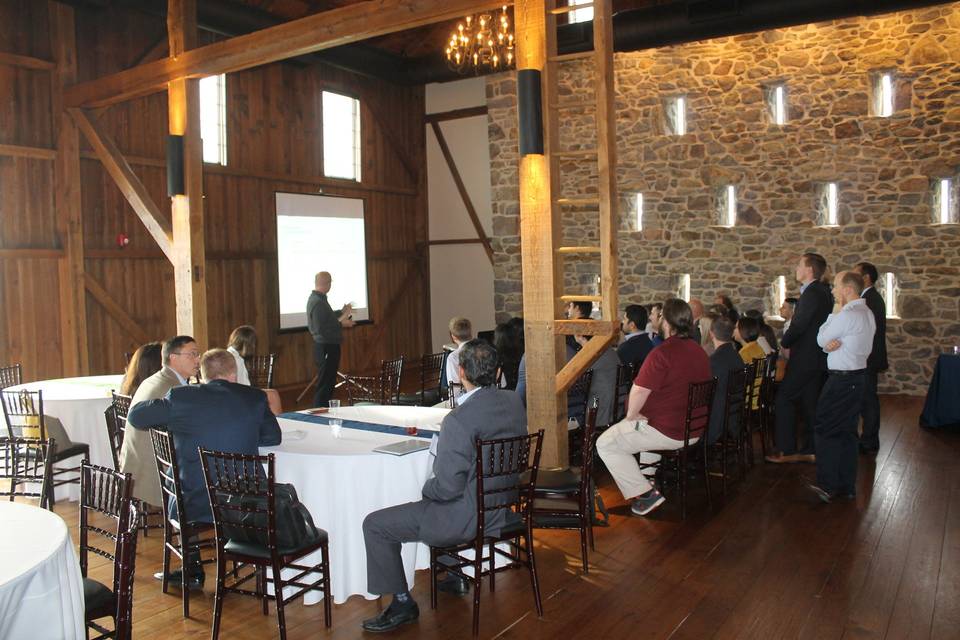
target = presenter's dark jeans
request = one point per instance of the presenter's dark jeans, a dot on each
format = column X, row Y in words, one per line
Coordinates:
column 870, row 436
column 327, row 358
column 798, row 388
column 836, row 428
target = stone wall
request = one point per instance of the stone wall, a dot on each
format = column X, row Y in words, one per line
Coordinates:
column 883, row 167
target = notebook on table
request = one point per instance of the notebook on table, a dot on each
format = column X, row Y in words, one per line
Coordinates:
column 404, row 447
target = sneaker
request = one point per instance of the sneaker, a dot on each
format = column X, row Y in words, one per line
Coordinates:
column 646, row 503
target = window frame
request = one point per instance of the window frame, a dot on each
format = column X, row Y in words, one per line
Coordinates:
column 220, row 124
column 358, row 135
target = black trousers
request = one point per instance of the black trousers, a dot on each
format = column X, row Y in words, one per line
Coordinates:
column 798, row 389
column 384, row 532
column 836, row 428
column 870, row 436
column 327, row 358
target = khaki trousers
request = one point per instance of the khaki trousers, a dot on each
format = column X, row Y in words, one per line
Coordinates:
column 617, row 446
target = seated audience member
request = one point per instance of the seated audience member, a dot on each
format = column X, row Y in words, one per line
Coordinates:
column 146, row 361
column 746, row 333
column 705, row 323
column 727, row 303
column 636, row 341
column 181, row 360
column 447, row 514
column 724, row 360
column 242, row 344
column 508, row 342
column 656, row 409
column 767, row 338
column 696, row 307
column 461, row 331
column 580, row 310
column 787, row 309
column 654, row 323
column 602, row 384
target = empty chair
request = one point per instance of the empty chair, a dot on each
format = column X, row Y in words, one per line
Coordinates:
column 260, row 370
column 23, row 411
column 506, row 476
column 26, row 463
column 383, row 388
column 431, row 367
column 105, row 494
column 180, row 537
column 11, row 375
column 564, row 499
column 244, row 504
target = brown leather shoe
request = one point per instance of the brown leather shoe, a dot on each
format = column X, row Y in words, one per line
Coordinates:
column 777, row 458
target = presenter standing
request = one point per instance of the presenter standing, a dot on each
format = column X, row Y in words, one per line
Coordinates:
column 326, row 326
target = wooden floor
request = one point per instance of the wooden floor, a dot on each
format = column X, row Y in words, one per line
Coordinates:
column 769, row 563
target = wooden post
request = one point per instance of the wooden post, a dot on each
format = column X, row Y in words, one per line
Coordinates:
column 606, row 156
column 66, row 196
column 189, row 247
column 542, row 266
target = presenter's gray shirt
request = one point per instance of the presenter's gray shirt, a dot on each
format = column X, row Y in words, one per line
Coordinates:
column 323, row 322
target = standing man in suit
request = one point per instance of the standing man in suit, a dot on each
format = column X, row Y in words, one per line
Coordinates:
column 877, row 362
column 447, row 514
column 325, row 326
column 181, row 361
column 808, row 363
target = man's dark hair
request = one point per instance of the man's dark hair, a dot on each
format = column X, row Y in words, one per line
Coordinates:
column 655, row 305
column 870, row 270
column 173, row 346
column 791, row 301
column 479, row 361
column 585, row 307
column 756, row 314
column 637, row 314
column 816, row 262
column 722, row 329
column 679, row 316
column 749, row 328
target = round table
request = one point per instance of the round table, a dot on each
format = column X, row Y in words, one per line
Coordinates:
column 341, row 480
column 79, row 404
column 41, row 591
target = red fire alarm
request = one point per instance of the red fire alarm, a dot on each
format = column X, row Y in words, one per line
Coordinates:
column 122, row 240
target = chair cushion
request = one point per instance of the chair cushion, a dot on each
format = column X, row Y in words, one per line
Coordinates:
column 566, row 481
column 96, row 598
column 261, row 551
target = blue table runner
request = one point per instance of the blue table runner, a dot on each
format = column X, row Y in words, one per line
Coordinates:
column 426, row 434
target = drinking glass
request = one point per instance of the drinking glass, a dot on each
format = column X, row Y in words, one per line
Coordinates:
column 336, row 427
column 334, row 404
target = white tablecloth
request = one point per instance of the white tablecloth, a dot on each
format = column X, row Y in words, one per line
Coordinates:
column 79, row 404
column 341, row 480
column 41, row 591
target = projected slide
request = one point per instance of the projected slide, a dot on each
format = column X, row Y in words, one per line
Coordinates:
column 320, row 233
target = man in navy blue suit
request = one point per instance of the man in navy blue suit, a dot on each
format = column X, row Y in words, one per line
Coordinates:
column 219, row 414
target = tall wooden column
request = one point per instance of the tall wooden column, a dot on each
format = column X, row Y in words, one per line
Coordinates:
column 189, row 246
column 540, row 235
column 66, row 196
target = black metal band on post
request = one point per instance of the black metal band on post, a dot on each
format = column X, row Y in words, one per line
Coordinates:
column 175, row 186
column 530, row 111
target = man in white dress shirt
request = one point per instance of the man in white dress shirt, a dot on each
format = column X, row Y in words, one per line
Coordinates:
column 847, row 337
column 461, row 332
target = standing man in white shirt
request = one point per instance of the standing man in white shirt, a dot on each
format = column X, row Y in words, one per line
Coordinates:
column 847, row 337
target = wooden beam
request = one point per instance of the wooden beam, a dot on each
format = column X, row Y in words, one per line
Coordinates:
column 316, row 32
column 586, row 327
column 115, row 310
column 189, row 240
column 581, row 362
column 399, row 150
column 539, row 236
column 455, row 114
column 18, row 151
column 455, row 241
column 462, row 190
column 130, row 186
column 606, row 116
column 32, row 254
column 66, row 196
column 26, row 62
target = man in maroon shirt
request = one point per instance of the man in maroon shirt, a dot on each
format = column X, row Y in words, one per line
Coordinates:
column 656, row 408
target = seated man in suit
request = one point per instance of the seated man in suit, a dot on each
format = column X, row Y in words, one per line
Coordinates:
column 220, row 415
column 636, row 342
column 447, row 514
column 723, row 361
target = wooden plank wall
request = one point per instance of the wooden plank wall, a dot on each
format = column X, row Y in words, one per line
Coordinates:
column 274, row 144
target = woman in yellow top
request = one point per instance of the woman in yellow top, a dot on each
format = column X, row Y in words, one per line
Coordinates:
column 746, row 333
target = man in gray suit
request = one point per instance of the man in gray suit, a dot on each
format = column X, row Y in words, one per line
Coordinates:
column 181, row 361
column 447, row 514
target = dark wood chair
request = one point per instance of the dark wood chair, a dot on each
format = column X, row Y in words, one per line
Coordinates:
column 383, row 388
column 577, row 400
column 242, row 499
column 625, row 377
column 564, row 499
column 696, row 422
column 115, row 417
column 454, row 391
column 431, row 367
column 106, row 493
column 767, row 395
column 506, row 477
column 180, row 537
column 730, row 441
column 23, row 412
column 260, row 370
column 11, row 376
column 26, row 463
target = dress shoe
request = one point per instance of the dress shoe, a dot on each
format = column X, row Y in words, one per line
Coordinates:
column 392, row 617
column 821, row 493
column 454, row 584
column 805, row 457
column 194, row 582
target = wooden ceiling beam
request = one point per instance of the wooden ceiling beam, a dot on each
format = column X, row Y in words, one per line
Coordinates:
column 295, row 38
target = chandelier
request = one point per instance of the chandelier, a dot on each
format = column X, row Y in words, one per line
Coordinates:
column 481, row 41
